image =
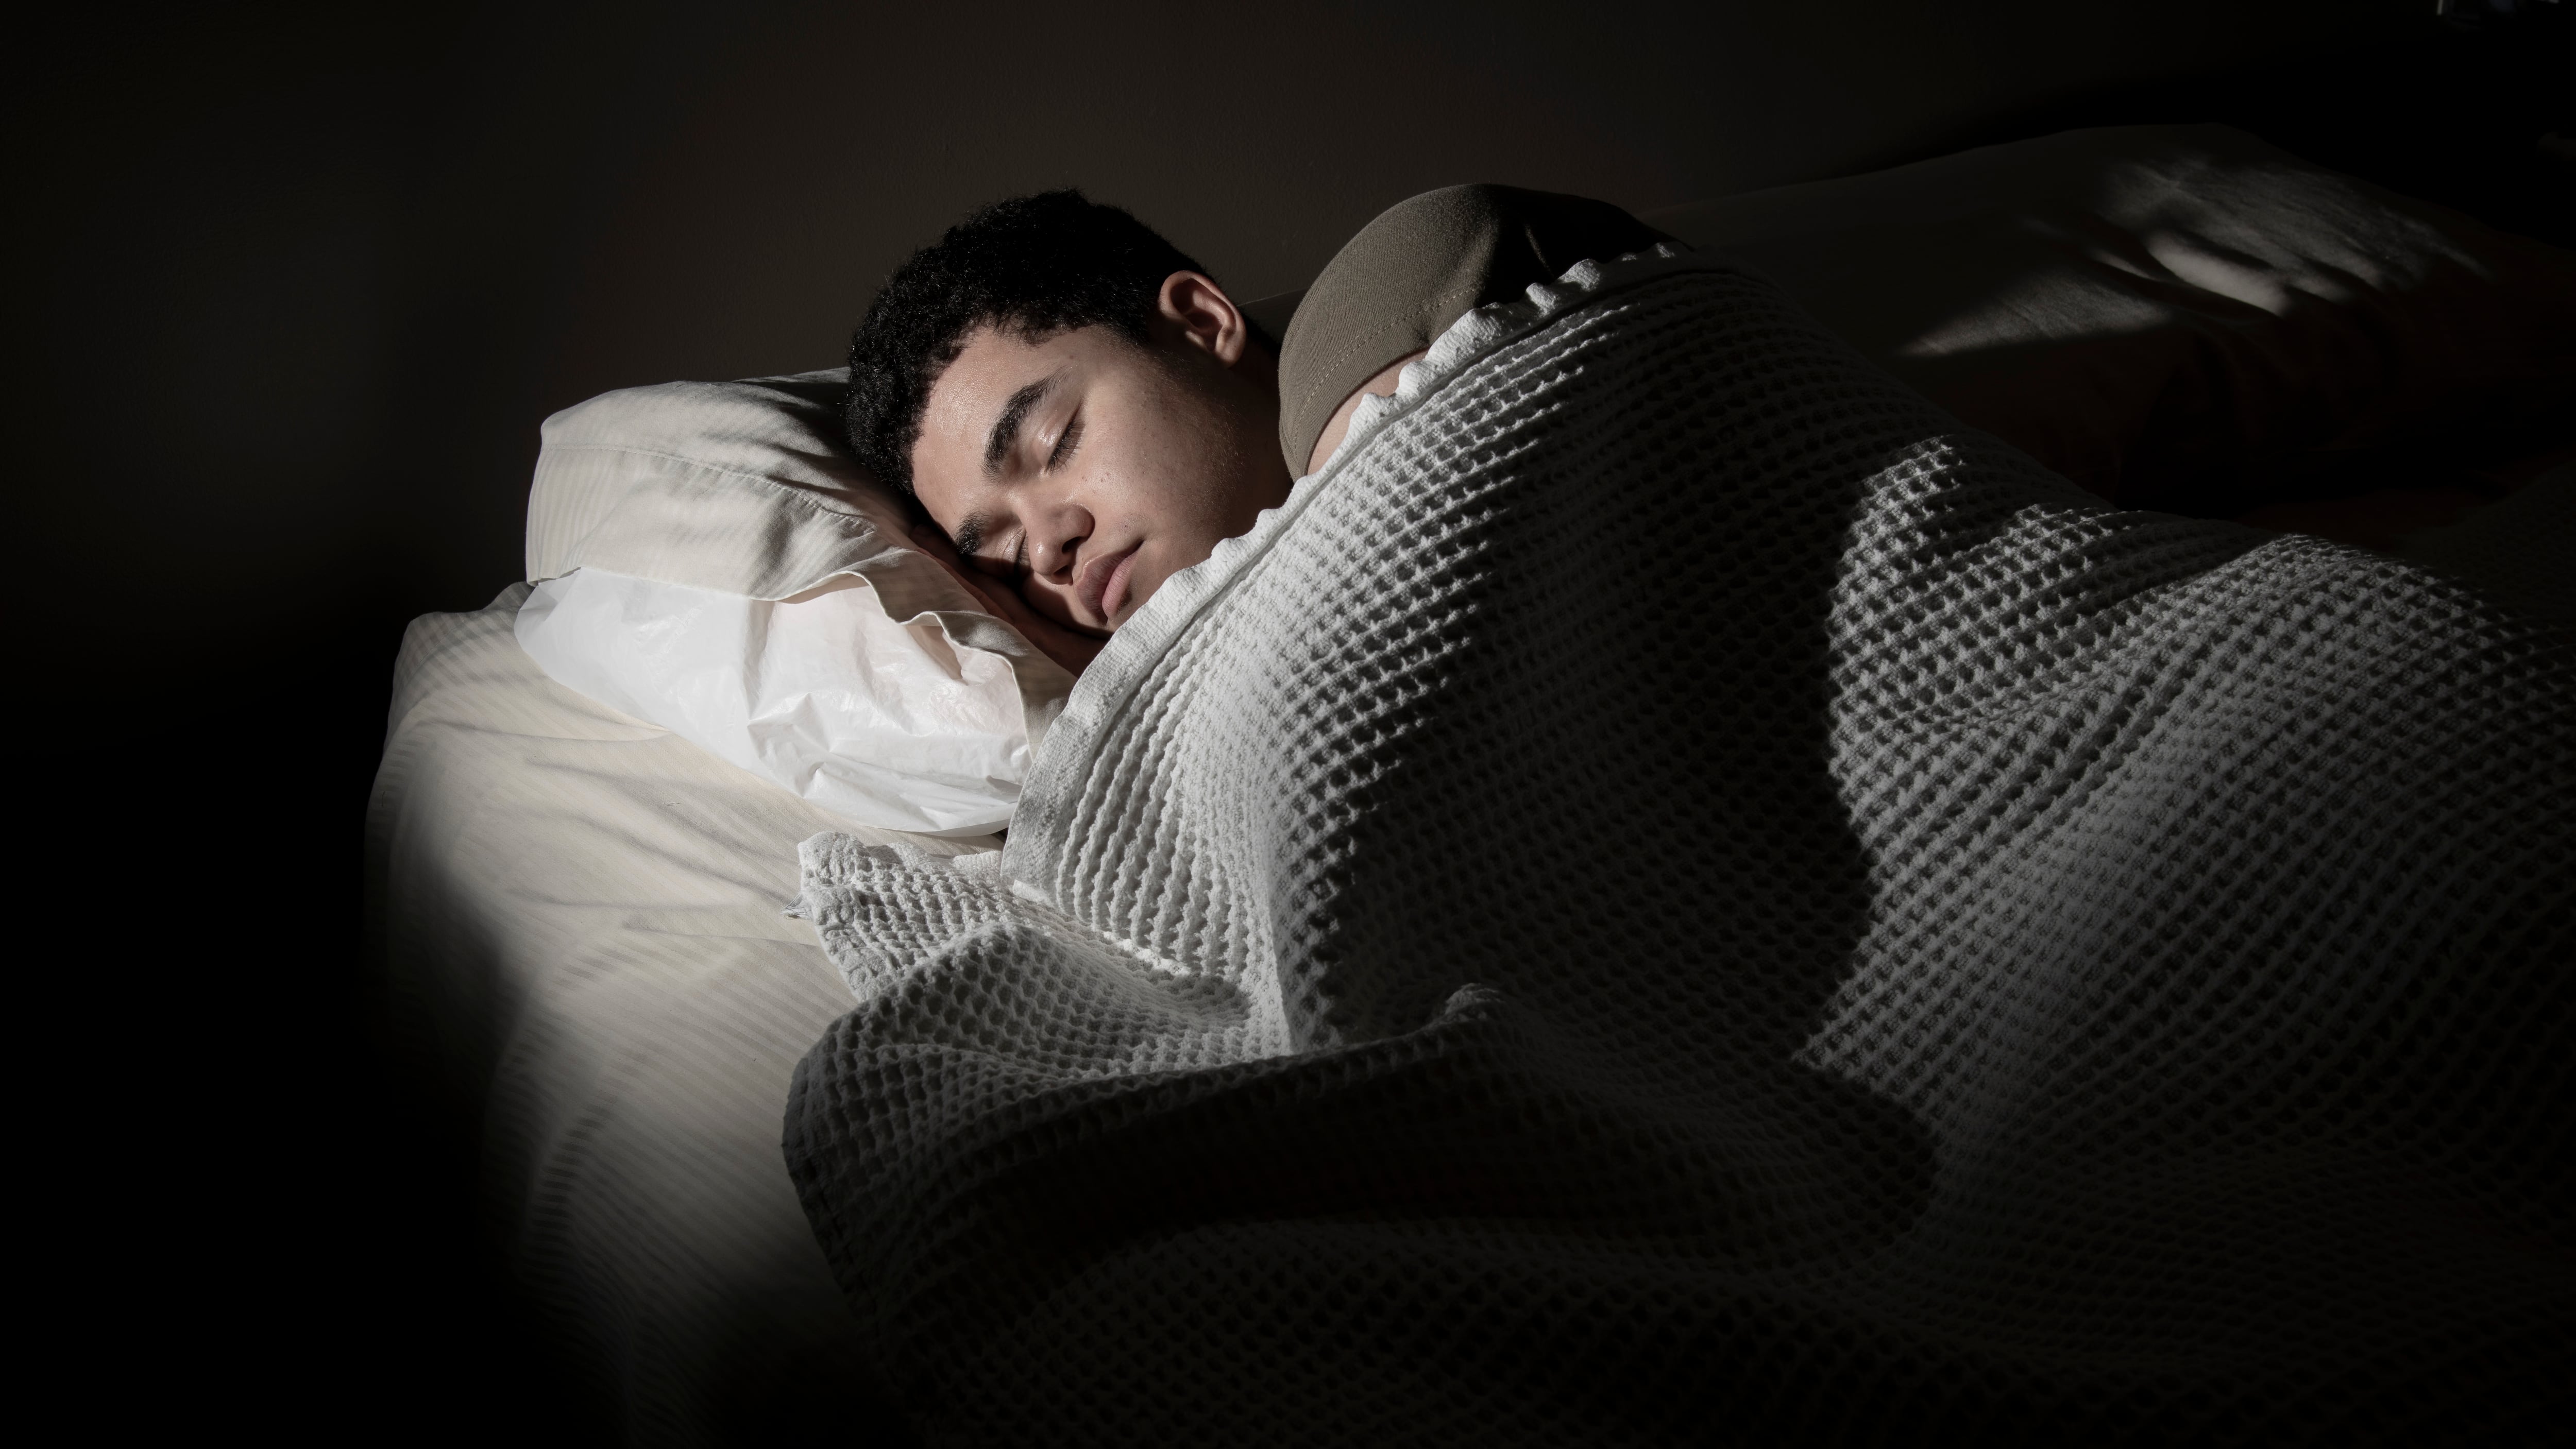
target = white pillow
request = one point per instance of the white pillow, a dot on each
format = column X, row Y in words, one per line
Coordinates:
column 885, row 723
column 710, row 560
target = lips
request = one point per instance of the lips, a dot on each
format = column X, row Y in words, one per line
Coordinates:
column 1103, row 584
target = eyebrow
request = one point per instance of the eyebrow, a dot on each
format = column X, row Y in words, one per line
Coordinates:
column 1006, row 428
column 970, row 535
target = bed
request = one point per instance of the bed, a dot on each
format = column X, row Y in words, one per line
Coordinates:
column 587, row 953
column 583, row 915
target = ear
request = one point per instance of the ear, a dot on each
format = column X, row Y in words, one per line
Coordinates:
column 1205, row 316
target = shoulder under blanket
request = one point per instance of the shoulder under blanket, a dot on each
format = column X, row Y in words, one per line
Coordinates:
column 1672, row 893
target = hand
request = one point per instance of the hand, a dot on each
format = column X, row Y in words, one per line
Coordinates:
column 1069, row 647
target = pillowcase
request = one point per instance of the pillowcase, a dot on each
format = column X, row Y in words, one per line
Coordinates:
column 2177, row 316
column 880, row 722
column 709, row 559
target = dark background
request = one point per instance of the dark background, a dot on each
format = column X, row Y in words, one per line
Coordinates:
column 298, row 285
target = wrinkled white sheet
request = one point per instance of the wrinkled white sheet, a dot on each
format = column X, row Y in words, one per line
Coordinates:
column 577, row 915
column 884, row 723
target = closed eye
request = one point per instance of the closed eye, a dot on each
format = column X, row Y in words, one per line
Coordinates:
column 1065, row 445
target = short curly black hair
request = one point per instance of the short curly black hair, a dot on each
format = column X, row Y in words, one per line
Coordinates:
column 1035, row 265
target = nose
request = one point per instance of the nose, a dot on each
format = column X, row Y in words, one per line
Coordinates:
column 1057, row 531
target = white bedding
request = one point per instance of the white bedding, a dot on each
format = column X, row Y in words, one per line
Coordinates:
column 581, row 916
column 881, row 721
column 580, row 920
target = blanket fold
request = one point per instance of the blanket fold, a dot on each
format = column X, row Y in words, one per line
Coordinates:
column 1671, row 892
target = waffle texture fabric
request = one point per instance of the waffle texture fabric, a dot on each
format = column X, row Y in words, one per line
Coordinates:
column 1673, row 894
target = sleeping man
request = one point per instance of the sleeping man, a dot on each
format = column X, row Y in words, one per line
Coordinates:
column 1084, row 412
column 1739, row 893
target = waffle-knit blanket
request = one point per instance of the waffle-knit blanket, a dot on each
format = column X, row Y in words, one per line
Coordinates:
column 1671, row 894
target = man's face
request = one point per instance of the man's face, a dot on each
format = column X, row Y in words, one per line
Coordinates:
column 1087, row 469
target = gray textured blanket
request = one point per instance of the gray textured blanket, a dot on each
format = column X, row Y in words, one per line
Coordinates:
column 1671, row 894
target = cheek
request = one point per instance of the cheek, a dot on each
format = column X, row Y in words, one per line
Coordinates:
column 1203, row 471
column 1141, row 475
column 1171, row 465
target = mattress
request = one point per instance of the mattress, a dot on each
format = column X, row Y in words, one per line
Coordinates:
column 583, row 947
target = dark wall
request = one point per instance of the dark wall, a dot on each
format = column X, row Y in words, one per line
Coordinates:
column 301, row 284
column 358, row 259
